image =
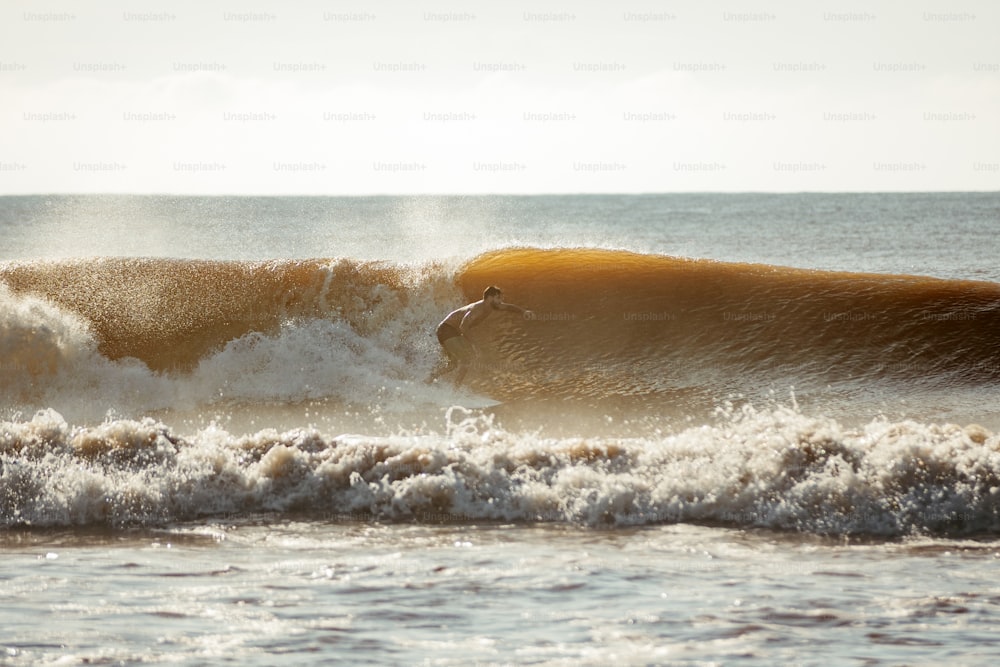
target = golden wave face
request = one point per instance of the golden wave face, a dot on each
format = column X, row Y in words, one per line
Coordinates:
column 605, row 323
column 620, row 323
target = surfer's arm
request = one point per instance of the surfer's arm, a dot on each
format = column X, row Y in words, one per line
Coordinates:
column 468, row 321
column 515, row 309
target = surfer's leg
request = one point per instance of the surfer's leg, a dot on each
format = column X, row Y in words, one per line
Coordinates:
column 460, row 353
column 454, row 350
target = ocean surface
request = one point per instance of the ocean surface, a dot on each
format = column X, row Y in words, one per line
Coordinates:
column 749, row 429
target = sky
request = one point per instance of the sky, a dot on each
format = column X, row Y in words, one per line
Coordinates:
column 448, row 96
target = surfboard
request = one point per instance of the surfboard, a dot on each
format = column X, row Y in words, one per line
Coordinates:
column 448, row 396
column 476, row 402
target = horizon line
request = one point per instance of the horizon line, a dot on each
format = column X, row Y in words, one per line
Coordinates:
column 494, row 194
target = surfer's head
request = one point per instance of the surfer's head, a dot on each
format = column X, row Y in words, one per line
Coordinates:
column 493, row 296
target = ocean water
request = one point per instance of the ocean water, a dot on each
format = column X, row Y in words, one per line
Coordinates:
column 754, row 429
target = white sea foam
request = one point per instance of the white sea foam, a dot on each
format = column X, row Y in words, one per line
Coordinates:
column 775, row 468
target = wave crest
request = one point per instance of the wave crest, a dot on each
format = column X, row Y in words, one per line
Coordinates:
column 644, row 330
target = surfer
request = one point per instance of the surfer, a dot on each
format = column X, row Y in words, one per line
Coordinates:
column 451, row 332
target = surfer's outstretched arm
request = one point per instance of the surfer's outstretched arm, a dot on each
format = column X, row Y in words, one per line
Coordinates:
column 515, row 309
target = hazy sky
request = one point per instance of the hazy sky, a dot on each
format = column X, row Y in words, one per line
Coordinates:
column 339, row 97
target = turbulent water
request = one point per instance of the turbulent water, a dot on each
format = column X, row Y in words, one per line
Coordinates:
column 798, row 385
